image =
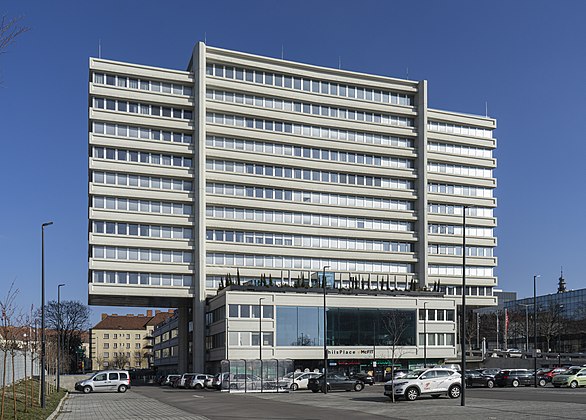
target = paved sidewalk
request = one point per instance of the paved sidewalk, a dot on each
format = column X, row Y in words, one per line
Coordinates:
column 129, row 405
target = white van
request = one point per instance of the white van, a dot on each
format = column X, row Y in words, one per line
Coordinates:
column 107, row 380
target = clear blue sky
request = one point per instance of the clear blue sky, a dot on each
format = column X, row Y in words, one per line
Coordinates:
column 525, row 58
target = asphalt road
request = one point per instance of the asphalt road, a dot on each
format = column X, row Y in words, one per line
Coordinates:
column 496, row 403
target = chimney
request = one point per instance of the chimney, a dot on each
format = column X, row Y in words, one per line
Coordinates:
column 171, row 311
column 149, row 313
column 157, row 311
column 104, row 316
column 114, row 315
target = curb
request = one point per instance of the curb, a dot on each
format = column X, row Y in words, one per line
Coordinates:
column 55, row 413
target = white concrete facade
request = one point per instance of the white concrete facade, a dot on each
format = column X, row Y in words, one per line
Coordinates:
column 272, row 167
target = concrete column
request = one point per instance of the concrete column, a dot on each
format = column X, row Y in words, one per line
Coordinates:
column 421, row 167
column 198, row 67
column 183, row 337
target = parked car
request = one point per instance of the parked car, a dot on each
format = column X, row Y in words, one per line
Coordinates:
column 514, row 353
column 335, row 382
column 218, row 380
column 169, row 379
column 108, row 380
column 184, row 380
column 197, row 382
column 573, row 378
column 490, row 371
column 297, row 380
column 364, row 377
column 434, row 382
column 209, row 382
column 514, row 378
column 551, row 373
column 478, row 378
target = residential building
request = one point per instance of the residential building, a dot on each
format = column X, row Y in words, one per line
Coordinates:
column 245, row 166
column 124, row 341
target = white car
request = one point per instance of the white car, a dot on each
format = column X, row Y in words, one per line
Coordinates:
column 434, row 382
column 297, row 380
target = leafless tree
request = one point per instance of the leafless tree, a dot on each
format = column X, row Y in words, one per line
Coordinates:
column 121, row 360
column 99, row 361
column 7, row 332
column 550, row 322
column 69, row 320
column 10, row 29
column 396, row 325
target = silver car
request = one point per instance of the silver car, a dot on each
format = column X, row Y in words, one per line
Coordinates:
column 107, row 380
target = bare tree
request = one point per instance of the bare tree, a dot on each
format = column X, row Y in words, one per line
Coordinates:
column 69, row 320
column 99, row 361
column 397, row 325
column 10, row 29
column 121, row 360
column 550, row 322
column 8, row 308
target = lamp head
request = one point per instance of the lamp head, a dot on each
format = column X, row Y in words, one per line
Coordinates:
column 47, row 224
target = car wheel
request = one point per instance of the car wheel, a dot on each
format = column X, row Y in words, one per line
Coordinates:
column 542, row 382
column 198, row 386
column 294, row 387
column 454, row 391
column 573, row 384
column 490, row 384
column 411, row 394
column 315, row 390
column 358, row 387
column 435, row 396
column 122, row 388
column 87, row 389
column 233, row 386
column 515, row 383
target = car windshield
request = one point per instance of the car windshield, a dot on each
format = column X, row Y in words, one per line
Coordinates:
column 413, row 374
column 572, row 371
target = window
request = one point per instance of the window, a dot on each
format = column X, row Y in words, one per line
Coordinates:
column 106, row 345
column 106, row 336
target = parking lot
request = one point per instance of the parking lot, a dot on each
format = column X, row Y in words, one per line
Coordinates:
column 496, row 403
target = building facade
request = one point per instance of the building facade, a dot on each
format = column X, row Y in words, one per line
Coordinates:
column 248, row 166
column 124, row 341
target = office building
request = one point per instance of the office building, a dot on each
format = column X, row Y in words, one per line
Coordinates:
column 252, row 167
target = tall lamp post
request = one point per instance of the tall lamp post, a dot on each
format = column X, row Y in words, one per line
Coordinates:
column 43, row 361
column 260, row 339
column 526, row 326
column 535, row 329
column 463, row 314
column 59, row 344
column 425, row 335
column 325, row 390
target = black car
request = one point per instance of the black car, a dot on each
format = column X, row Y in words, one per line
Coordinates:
column 364, row 377
column 514, row 377
column 336, row 382
column 477, row 378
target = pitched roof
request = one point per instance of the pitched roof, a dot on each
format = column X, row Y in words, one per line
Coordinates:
column 130, row 322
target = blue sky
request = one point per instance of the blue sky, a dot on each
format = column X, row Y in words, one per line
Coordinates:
column 526, row 59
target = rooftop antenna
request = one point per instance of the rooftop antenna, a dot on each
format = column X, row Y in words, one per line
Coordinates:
column 99, row 48
column 339, row 62
column 486, row 109
column 205, row 38
column 407, row 73
column 282, row 52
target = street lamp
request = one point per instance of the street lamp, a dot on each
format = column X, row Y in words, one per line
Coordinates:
column 535, row 329
column 325, row 390
column 560, row 308
column 260, row 338
column 43, row 361
column 424, row 335
column 463, row 314
column 59, row 286
column 526, row 325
